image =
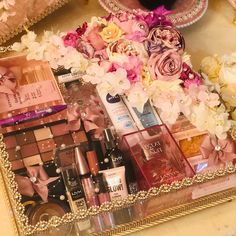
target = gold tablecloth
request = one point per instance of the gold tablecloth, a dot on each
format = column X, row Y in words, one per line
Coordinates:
column 213, row 34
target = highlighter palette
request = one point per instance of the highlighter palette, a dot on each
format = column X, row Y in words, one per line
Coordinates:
column 37, row 145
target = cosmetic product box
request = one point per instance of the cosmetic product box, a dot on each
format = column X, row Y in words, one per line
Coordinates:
column 157, row 157
column 170, row 176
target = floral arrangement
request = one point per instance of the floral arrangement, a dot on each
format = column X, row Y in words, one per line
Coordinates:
column 139, row 55
column 220, row 74
column 6, row 9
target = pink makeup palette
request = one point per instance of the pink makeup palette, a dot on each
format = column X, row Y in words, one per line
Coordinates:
column 37, row 145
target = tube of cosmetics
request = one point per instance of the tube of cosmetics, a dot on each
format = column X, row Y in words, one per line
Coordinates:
column 117, row 189
column 75, row 194
column 103, row 197
column 118, row 113
column 147, row 118
column 100, row 189
column 88, row 185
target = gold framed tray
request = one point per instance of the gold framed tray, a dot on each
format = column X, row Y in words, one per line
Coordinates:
column 162, row 204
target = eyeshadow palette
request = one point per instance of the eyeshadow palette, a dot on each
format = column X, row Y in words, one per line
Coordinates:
column 37, row 145
column 28, row 91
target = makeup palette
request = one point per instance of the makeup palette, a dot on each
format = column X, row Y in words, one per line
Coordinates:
column 37, row 145
column 28, row 92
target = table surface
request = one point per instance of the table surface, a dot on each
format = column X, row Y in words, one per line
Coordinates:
column 213, row 34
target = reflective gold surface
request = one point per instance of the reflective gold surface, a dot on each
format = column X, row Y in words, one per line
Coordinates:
column 215, row 33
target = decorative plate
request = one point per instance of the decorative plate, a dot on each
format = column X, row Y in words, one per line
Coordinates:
column 184, row 13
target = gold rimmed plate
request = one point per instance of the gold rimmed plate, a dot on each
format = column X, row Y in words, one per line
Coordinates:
column 184, row 12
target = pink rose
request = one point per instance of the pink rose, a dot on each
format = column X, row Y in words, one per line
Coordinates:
column 70, row 39
column 139, row 31
column 123, row 46
column 95, row 39
column 85, row 48
column 165, row 66
column 164, row 38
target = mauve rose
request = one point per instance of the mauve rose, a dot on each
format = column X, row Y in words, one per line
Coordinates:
column 85, row 48
column 101, row 55
column 123, row 46
column 95, row 39
column 165, row 66
column 163, row 38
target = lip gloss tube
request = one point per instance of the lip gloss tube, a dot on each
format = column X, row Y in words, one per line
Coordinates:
column 88, row 185
column 103, row 197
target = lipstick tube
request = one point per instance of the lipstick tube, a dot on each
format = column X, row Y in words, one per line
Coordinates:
column 88, row 185
column 103, row 197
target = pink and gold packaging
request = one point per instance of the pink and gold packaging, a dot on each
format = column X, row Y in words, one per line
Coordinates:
column 157, row 157
column 26, row 86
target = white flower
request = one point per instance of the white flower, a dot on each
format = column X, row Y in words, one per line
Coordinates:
column 115, row 82
column 228, row 69
column 94, row 74
column 215, row 121
column 187, row 59
column 137, row 96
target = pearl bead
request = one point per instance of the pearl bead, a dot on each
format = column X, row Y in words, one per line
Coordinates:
column 17, row 148
column 106, row 160
column 58, row 171
column 62, row 197
column 33, row 179
column 217, row 148
column 96, row 190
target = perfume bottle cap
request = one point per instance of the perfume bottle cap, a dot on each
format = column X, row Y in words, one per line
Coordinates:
column 109, row 138
column 81, row 163
column 99, row 184
column 93, row 162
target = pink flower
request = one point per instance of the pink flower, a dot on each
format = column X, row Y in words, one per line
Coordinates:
column 85, row 48
column 81, row 29
column 70, row 39
column 190, row 77
column 95, row 39
column 158, row 17
column 165, row 66
column 139, row 31
column 164, row 38
column 133, row 68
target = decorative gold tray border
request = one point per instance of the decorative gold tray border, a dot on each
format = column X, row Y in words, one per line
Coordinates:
column 173, row 212
column 32, row 21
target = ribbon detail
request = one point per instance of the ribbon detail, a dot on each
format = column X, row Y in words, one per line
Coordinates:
column 92, row 116
column 217, row 151
column 36, row 181
column 7, row 81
